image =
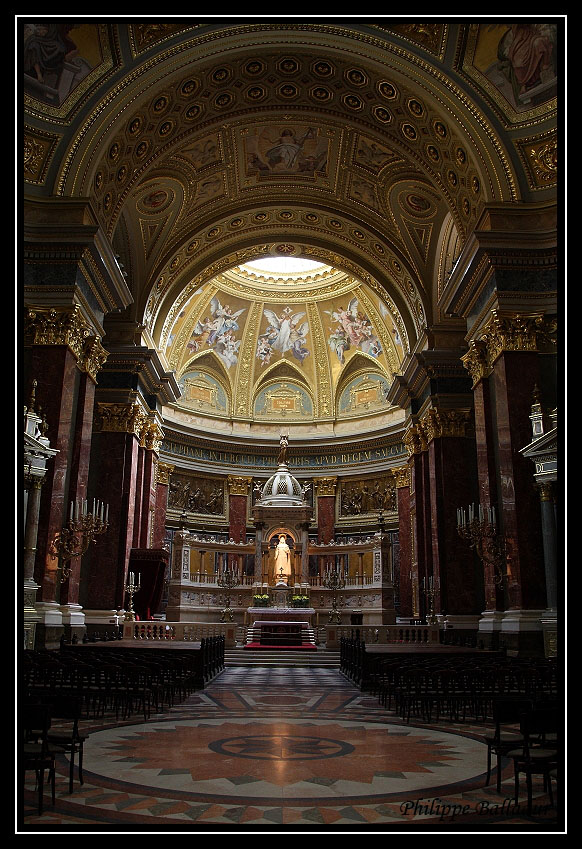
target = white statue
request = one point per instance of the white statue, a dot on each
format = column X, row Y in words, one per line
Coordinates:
column 282, row 559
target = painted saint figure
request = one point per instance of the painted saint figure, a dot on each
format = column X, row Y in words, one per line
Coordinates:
column 282, row 560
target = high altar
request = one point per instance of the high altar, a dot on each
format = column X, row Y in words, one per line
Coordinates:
column 281, row 581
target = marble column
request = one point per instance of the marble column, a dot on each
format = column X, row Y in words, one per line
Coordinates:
column 304, row 527
column 162, row 482
column 485, row 441
column 457, row 576
column 325, row 493
column 238, row 492
column 402, row 476
column 78, row 476
column 515, row 374
column 550, row 543
column 259, row 527
column 117, row 435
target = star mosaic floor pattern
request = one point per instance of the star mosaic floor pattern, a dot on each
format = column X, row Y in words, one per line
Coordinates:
column 283, row 749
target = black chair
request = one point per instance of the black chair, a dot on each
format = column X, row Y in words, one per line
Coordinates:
column 38, row 753
column 539, row 753
column 509, row 712
column 69, row 708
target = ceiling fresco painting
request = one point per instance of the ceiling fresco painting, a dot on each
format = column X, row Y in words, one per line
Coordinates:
column 370, row 148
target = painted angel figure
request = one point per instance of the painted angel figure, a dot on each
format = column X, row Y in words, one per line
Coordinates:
column 227, row 348
column 339, row 342
column 284, row 325
column 349, row 319
column 223, row 320
column 297, row 340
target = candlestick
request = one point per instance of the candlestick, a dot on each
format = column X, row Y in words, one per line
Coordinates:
column 481, row 534
column 334, row 581
column 74, row 539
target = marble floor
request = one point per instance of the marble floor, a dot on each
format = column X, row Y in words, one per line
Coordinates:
column 280, row 750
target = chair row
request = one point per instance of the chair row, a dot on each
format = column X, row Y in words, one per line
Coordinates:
column 43, row 743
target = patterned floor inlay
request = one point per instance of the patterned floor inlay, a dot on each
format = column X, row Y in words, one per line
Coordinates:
column 278, row 749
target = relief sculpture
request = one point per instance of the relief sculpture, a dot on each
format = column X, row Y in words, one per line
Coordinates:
column 368, row 496
column 196, row 495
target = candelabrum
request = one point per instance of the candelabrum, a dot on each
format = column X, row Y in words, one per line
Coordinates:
column 74, row 539
column 227, row 581
column 132, row 587
column 334, row 581
column 429, row 592
column 480, row 531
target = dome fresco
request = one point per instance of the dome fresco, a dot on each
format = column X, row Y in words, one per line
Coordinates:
column 295, row 335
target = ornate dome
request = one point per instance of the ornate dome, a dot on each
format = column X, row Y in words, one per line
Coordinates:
column 257, row 344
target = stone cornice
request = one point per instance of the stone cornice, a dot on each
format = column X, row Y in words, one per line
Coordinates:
column 59, row 230
column 146, row 363
column 506, row 237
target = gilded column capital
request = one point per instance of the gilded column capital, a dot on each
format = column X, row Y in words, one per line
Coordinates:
column 438, row 423
column 58, row 326
column 401, row 476
column 238, row 485
column 163, row 471
column 325, row 486
column 415, row 440
column 120, row 418
column 93, row 358
column 151, row 435
column 476, row 360
column 546, row 491
column 509, row 332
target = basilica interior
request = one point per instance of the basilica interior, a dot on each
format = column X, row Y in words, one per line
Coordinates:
column 290, row 382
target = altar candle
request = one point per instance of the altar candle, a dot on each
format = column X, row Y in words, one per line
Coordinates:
column 106, row 513
column 71, row 513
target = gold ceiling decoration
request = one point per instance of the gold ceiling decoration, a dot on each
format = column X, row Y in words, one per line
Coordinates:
column 259, row 345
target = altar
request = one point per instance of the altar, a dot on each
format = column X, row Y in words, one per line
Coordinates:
column 281, row 614
column 288, row 633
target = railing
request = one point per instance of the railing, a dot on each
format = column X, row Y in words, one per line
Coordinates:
column 378, row 635
column 162, row 632
column 210, row 579
column 352, row 581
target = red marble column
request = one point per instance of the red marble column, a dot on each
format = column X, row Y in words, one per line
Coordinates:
column 162, row 484
column 404, row 539
column 55, row 369
column 456, row 573
column 116, row 458
column 421, row 519
column 79, row 472
column 138, row 508
column 325, row 517
column 148, row 499
column 237, row 513
column 515, row 374
column 485, row 440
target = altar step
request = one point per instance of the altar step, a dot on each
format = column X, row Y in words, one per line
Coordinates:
column 283, row 657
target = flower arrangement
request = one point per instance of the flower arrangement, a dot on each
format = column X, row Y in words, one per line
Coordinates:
column 300, row 600
column 261, row 600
